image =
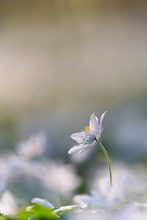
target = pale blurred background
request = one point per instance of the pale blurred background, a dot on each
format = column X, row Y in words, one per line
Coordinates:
column 61, row 60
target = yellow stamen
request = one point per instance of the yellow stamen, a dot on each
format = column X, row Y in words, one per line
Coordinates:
column 87, row 128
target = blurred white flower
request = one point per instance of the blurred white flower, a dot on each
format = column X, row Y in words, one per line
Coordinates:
column 10, row 165
column 47, row 204
column 139, row 204
column 125, row 184
column 93, row 200
column 132, row 212
column 66, row 208
column 2, row 183
column 43, row 202
column 86, row 138
column 61, row 178
column 56, row 176
column 8, row 203
column 90, row 215
column 34, row 146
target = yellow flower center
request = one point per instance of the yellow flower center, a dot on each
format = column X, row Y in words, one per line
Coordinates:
column 87, row 128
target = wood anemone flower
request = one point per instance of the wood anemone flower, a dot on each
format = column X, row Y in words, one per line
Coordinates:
column 87, row 138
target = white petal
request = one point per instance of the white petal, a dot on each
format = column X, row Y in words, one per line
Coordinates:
column 66, row 208
column 42, row 202
column 93, row 123
column 78, row 136
column 100, row 128
column 86, row 148
column 77, row 148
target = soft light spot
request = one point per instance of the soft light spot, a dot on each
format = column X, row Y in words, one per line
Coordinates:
column 87, row 128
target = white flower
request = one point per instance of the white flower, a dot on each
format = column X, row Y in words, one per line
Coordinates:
column 86, row 138
column 121, row 192
column 87, row 214
column 51, row 175
column 132, row 212
column 92, row 200
column 43, row 202
column 34, row 146
column 8, row 204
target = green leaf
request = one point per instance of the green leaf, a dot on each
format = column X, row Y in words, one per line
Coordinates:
column 37, row 212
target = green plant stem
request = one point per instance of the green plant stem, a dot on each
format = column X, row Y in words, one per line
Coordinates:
column 107, row 158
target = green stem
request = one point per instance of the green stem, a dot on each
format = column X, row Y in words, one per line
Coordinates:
column 106, row 157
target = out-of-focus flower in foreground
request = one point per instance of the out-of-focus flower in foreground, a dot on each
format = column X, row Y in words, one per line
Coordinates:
column 133, row 212
column 34, row 146
column 92, row 215
column 8, row 203
column 43, row 202
column 94, row 200
column 55, row 181
column 47, row 204
column 126, row 187
column 87, row 138
column 52, row 174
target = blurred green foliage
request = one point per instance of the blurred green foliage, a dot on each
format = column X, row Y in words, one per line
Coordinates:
column 36, row 212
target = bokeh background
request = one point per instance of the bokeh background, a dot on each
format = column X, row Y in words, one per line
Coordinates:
column 59, row 62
